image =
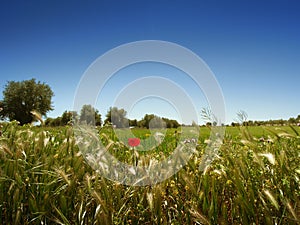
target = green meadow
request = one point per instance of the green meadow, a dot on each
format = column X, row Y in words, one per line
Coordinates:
column 253, row 179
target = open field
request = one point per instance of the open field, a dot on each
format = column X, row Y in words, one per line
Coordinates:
column 253, row 180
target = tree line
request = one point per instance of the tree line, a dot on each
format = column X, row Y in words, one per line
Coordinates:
column 29, row 100
column 278, row 122
column 115, row 117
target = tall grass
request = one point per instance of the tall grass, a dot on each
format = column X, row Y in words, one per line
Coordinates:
column 45, row 180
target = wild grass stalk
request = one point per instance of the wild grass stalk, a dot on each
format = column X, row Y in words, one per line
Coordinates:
column 44, row 179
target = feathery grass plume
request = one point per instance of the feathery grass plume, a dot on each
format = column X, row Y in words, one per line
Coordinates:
column 208, row 116
column 269, row 156
column 6, row 150
column 271, row 199
column 242, row 117
column 200, row 219
column 64, row 176
column 150, row 200
column 37, row 116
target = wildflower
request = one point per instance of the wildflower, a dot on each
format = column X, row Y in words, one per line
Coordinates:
column 229, row 182
column 172, row 183
column 133, row 142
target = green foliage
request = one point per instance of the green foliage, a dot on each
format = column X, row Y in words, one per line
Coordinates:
column 117, row 117
column 146, row 120
column 65, row 119
column 21, row 98
column 279, row 122
column 153, row 121
column 171, row 123
column 53, row 122
column 90, row 115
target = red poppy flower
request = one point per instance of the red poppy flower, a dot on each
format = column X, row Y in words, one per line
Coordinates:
column 133, row 142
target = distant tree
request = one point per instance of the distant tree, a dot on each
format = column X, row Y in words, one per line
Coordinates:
column 250, row 123
column 48, row 121
column 67, row 117
column 245, row 123
column 146, row 120
column 171, row 123
column 53, row 122
column 281, row 122
column 292, row 120
column 153, row 121
column 116, row 117
column 257, row 123
column 157, row 122
column 90, row 115
column 21, row 98
column 208, row 124
column 141, row 123
column 133, row 123
column 235, row 124
column 56, row 122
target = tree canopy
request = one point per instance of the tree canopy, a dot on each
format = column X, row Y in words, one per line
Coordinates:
column 66, row 118
column 117, row 117
column 90, row 115
column 21, row 98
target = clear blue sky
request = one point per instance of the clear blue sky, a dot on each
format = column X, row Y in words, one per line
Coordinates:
column 253, row 47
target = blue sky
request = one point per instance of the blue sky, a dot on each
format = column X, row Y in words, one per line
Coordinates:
column 252, row 47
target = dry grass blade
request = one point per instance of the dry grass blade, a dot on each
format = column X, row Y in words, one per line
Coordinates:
column 292, row 211
column 64, row 176
column 271, row 199
column 43, row 180
column 199, row 217
column 6, row 150
column 63, row 217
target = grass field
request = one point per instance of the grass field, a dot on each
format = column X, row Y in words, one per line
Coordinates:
column 254, row 179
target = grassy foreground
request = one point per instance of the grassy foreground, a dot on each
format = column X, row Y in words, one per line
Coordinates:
column 253, row 180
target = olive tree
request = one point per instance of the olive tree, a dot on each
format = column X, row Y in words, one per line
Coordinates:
column 21, row 98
